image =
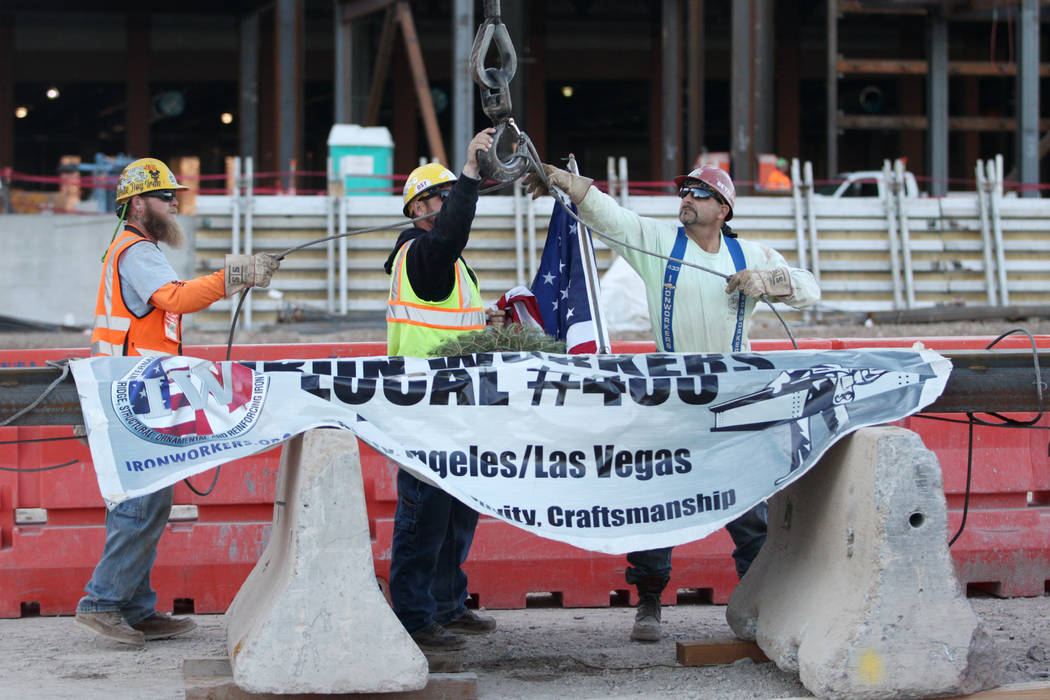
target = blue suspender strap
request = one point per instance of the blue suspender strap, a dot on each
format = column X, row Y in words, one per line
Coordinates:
column 670, row 279
column 739, row 263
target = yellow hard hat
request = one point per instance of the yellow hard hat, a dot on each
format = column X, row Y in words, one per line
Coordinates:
column 424, row 178
column 145, row 175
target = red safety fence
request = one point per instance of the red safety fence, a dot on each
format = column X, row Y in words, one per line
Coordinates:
column 202, row 560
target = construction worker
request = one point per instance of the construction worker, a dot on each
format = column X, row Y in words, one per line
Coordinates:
column 139, row 311
column 779, row 180
column 434, row 296
column 690, row 311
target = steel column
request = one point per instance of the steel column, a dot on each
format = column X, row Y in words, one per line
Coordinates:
column 937, row 104
column 787, row 58
column 762, row 104
column 514, row 19
column 137, row 114
column 1027, row 96
column 832, row 84
column 343, row 73
column 420, row 82
column 354, row 53
column 7, row 97
column 694, row 80
column 535, row 56
column 462, row 85
column 380, row 67
column 248, row 119
column 741, row 96
column 289, row 52
column 671, row 80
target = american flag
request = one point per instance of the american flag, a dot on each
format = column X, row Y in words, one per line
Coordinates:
column 560, row 288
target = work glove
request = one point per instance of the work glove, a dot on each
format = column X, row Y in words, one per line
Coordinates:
column 243, row 271
column 774, row 282
column 573, row 185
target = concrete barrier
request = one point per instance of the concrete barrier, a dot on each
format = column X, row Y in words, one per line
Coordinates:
column 854, row 588
column 52, row 263
column 310, row 618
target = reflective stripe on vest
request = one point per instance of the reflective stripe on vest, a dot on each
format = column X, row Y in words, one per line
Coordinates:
column 415, row 326
column 115, row 323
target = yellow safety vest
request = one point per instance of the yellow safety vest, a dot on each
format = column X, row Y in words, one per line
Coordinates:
column 414, row 326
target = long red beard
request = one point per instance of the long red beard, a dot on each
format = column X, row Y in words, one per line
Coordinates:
column 165, row 228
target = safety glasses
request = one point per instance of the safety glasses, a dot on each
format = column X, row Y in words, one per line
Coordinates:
column 697, row 192
column 444, row 193
column 164, row 195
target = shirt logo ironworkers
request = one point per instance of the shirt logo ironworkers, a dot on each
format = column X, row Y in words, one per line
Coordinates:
column 179, row 401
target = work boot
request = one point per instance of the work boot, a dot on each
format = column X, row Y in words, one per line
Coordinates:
column 647, row 617
column 110, row 625
column 471, row 623
column 434, row 637
column 158, row 626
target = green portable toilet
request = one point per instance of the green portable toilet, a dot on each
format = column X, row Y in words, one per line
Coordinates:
column 359, row 152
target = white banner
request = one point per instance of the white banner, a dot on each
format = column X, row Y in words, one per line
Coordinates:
column 613, row 453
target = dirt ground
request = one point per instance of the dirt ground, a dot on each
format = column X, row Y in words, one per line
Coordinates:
column 536, row 652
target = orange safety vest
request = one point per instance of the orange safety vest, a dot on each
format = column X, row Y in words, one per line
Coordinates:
column 778, row 181
column 118, row 332
column 416, row 326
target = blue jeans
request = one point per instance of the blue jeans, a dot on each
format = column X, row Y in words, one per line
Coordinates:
column 432, row 536
column 748, row 533
column 121, row 578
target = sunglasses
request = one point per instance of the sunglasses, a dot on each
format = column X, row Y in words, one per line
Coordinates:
column 444, row 194
column 165, row 195
column 697, row 192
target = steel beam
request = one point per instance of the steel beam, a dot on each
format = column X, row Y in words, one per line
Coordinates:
column 981, row 380
column 20, row 387
column 883, row 66
column 920, row 123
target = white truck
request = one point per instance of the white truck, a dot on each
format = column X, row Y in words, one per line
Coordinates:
column 867, row 183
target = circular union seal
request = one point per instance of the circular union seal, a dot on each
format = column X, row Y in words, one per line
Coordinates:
column 179, row 401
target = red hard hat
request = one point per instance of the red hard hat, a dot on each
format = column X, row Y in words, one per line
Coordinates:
column 716, row 179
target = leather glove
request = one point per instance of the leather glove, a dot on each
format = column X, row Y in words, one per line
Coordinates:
column 242, row 271
column 775, row 282
column 573, row 185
